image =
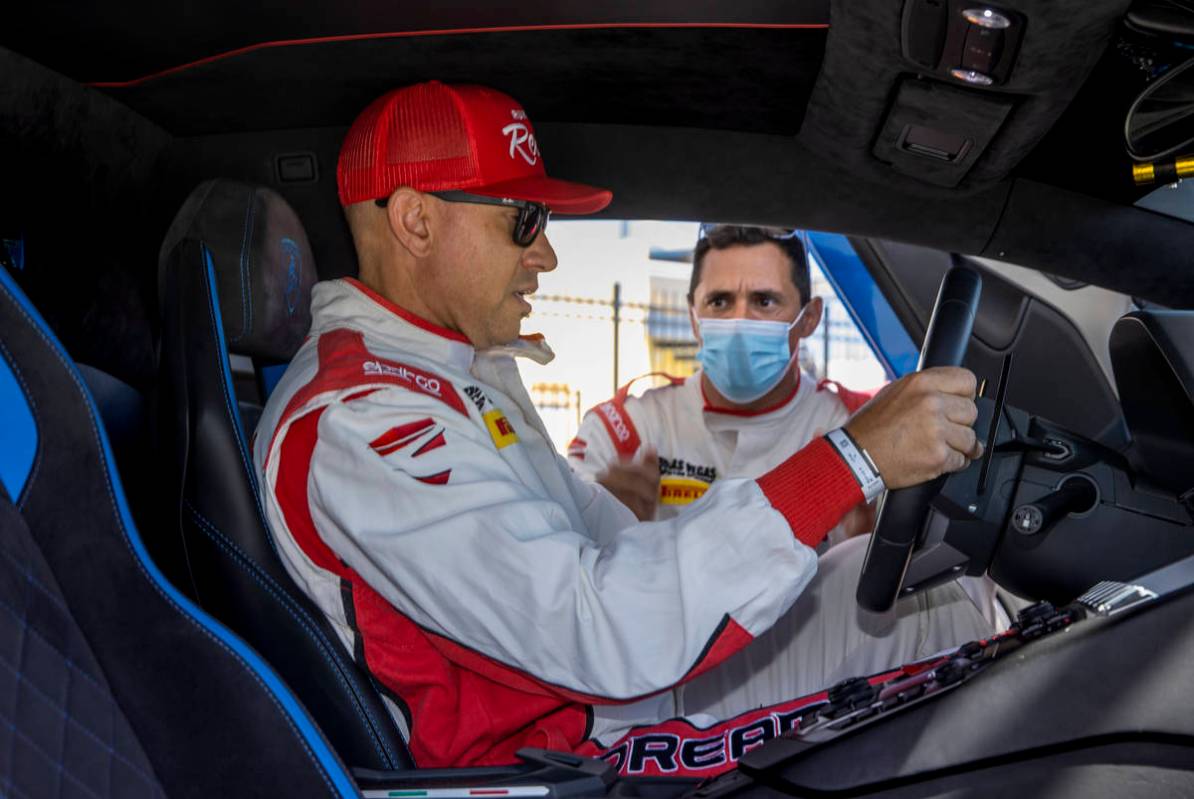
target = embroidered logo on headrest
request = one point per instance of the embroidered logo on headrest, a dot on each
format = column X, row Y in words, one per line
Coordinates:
column 294, row 274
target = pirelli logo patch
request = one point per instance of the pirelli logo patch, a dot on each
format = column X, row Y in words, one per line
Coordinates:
column 500, row 428
column 681, row 490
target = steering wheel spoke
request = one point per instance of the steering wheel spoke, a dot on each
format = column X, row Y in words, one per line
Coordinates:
column 902, row 512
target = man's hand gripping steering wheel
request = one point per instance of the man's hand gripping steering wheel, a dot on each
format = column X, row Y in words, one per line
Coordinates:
column 916, row 430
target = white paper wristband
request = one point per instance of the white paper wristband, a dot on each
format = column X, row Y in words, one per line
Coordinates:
column 860, row 463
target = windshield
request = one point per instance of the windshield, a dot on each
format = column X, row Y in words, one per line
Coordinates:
column 1174, row 199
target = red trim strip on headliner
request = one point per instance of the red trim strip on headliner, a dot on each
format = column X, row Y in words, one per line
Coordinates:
column 353, row 37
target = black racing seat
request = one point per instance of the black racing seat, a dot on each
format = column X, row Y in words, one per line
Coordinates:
column 235, row 276
column 125, row 413
column 112, row 683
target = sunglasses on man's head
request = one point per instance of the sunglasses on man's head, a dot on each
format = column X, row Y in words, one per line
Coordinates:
column 777, row 233
column 532, row 216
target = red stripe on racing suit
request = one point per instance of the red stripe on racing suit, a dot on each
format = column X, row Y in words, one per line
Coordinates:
column 617, row 421
column 463, row 705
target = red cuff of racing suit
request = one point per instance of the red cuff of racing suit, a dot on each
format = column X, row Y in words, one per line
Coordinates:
column 813, row 489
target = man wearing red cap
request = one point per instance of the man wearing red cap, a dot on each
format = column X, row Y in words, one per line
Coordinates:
column 499, row 600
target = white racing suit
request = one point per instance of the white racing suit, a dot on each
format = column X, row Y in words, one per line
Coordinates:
column 698, row 444
column 503, row 602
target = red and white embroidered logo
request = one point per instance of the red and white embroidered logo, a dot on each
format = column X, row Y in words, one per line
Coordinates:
column 402, row 436
column 616, row 423
column 522, row 141
column 398, row 437
column 428, row 384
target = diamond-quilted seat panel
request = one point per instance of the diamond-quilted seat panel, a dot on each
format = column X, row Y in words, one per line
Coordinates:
column 61, row 732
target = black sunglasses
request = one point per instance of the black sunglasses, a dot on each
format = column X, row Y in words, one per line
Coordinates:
column 532, row 216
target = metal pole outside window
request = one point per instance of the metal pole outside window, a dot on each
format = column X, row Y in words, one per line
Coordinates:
column 617, row 306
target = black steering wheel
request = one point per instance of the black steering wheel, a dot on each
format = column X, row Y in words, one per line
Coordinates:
column 902, row 511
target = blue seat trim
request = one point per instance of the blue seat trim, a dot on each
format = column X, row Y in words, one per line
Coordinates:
column 217, row 323
column 329, row 650
column 270, row 375
column 18, row 431
column 337, row 780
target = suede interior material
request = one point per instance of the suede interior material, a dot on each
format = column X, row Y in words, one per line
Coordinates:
column 66, row 734
column 206, row 720
column 674, row 173
column 1129, row 250
column 93, row 44
column 81, row 175
column 864, row 62
column 691, row 77
column 976, row 118
column 263, row 262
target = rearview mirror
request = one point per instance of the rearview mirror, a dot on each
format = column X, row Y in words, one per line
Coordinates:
column 1161, row 120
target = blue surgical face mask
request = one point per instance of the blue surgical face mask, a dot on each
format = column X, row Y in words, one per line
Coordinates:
column 744, row 358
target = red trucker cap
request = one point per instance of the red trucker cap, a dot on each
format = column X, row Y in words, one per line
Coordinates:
column 438, row 137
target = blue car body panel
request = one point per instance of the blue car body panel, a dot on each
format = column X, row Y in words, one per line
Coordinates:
column 867, row 306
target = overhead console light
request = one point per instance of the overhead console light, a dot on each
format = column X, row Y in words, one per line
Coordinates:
column 972, row 77
column 957, row 39
column 986, row 18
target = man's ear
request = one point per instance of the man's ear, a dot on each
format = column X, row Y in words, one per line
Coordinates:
column 810, row 317
column 692, row 320
column 410, row 217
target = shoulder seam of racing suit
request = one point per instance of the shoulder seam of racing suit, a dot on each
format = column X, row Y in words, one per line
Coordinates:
column 618, row 424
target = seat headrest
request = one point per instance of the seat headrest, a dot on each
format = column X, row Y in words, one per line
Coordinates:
column 1154, row 371
column 262, row 259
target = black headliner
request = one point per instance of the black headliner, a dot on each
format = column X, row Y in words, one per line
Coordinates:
column 772, row 122
column 612, row 75
column 229, row 67
column 92, row 43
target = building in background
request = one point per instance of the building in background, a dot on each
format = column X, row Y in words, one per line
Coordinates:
column 617, row 308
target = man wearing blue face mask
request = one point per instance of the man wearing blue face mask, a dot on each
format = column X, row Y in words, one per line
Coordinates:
column 748, row 408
